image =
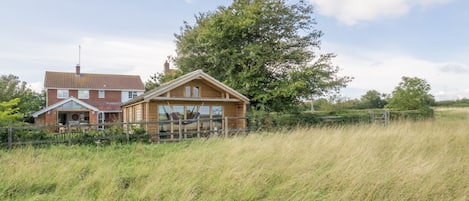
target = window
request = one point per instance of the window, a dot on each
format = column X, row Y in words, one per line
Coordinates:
column 101, row 94
column 62, row 93
column 191, row 92
column 83, row 94
column 195, row 92
column 188, row 91
column 132, row 94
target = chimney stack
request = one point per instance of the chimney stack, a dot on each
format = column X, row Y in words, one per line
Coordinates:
column 77, row 70
column 166, row 67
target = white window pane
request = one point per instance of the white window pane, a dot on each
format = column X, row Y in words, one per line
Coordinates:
column 62, row 93
column 101, row 94
column 83, row 94
column 195, row 92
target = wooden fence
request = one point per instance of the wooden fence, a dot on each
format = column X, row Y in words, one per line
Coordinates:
column 167, row 131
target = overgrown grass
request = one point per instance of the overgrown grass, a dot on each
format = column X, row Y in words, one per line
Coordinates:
column 404, row 161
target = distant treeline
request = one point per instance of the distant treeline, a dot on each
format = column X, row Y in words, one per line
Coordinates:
column 453, row 103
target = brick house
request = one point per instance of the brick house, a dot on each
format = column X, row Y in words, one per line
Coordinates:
column 85, row 98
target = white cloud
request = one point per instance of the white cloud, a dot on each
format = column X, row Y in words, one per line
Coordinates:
column 125, row 56
column 382, row 70
column 351, row 12
column 101, row 54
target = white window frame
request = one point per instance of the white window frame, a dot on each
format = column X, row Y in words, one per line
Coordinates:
column 192, row 91
column 132, row 94
column 101, row 93
column 62, row 93
column 83, row 94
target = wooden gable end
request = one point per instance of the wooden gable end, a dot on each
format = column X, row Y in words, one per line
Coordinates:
column 197, row 88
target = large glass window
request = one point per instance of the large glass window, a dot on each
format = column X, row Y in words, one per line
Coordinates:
column 83, row 94
column 178, row 110
column 71, row 105
column 191, row 111
column 217, row 115
column 62, row 93
column 163, row 115
column 205, row 112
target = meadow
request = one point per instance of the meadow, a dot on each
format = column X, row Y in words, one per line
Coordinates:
column 417, row 160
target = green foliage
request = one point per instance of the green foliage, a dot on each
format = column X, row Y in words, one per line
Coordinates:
column 412, row 93
column 158, row 79
column 9, row 112
column 11, row 87
column 373, row 99
column 264, row 49
column 420, row 114
column 453, row 103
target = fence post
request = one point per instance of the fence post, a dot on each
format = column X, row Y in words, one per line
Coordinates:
column 10, row 137
column 127, row 136
column 180, row 130
column 226, row 126
column 198, row 128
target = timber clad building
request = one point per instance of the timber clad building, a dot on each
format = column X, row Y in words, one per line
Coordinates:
column 83, row 98
column 195, row 100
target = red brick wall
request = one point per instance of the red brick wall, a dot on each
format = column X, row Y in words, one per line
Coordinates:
column 51, row 117
column 109, row 96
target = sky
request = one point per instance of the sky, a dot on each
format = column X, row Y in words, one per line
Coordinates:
column 376, row 41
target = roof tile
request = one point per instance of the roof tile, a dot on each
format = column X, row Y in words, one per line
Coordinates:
column 92, row 81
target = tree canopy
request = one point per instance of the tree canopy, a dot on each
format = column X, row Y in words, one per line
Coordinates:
column 373, row 99
column 9, row 112
column 264, row 49
column 159, row 78
column 11, row 87
column 412, row 93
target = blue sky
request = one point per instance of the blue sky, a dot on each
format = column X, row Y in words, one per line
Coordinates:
column 376, row 41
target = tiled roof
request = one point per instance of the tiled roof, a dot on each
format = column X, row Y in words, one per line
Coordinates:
column 92, row 81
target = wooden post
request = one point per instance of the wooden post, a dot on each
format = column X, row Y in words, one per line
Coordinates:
column 180, row 130
column 226, row 126
column 127, row 136
column 172, row 128
column 10, row 137
column 198, row 128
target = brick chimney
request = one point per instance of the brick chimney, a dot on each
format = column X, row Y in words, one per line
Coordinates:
column 167, row 70
column 77, row 70
column 166, row 67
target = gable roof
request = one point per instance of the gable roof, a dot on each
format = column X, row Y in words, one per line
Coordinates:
column 92, row 81
column 198, row 74
column 58, row 104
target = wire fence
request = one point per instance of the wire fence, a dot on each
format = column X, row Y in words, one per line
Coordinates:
column 180, row 130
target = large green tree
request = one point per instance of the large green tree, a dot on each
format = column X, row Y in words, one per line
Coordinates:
column 265, row 49
column 11, row 87
column 412, row 93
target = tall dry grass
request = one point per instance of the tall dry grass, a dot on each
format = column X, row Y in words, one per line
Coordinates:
column 404, row 161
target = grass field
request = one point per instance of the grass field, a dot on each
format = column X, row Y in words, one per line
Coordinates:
column 403, row 161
